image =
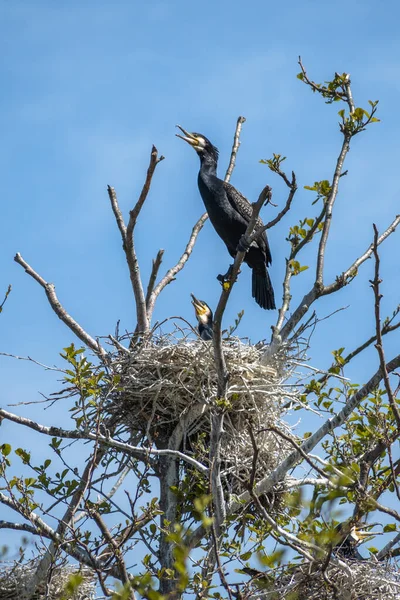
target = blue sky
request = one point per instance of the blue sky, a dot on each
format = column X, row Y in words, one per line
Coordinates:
column 88, row 87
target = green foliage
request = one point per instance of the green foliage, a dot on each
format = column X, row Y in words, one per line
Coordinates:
column 296, row 268
column 323, row 189
column 72, row 586
column 274, row 163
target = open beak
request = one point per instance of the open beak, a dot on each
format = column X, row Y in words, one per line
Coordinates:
column 362, row 534
column 198, row 305
column 187, row 137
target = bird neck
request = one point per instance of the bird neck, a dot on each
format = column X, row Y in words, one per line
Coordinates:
column 208, row 164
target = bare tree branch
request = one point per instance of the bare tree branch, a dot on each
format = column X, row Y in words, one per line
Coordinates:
column 293, row 188
column 379, row 344
column 170, row 275
column 60, row 311
column 341, row 281
column 387, row 549
column 235, row 148
column 153, row 275
column 43, row 529
column 5, row 298
column 137, row 452
column 328, row 209
column 117, row 214
column 143, row 321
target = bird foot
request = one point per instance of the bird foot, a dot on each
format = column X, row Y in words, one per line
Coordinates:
column 243, row 245
column 226, row 280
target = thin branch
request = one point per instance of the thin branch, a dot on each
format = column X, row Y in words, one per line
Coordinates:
column 293, row 188
column 379, row 344
column 296, row 446
column 351, row 272
column 135, row 451
column 43, row 529
column 235, row 148
column 46, row 560
column 153, row 275
column 387, row 549
column 143, row 321
column 329, row 207
column 5, row 298
column 170, row 275
column 341, row 281
column 60, row 310
column 114, row 545
column 117, row 213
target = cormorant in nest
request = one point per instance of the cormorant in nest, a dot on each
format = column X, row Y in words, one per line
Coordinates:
column 230, row 213
column 205, row 318
column 348, row 537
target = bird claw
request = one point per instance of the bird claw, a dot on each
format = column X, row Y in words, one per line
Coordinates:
column 226, row 280
column 243, row 245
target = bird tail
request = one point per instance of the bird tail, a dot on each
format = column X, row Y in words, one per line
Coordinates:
column 262, row 289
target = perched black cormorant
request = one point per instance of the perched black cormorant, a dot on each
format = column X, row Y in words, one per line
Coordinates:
column 230, row 213
column 205, row 318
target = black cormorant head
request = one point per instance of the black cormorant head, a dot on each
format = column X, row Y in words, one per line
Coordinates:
column 350, row 536
column 200, row 143
column 203, row 311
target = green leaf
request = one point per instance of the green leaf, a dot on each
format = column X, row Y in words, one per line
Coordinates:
column 246, row 556
column 23, row 454
column 5, row 449
column 390, row 527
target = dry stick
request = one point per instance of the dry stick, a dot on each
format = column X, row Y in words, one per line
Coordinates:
column 293, row 189
column 114, row 545
column 379, row 345
column 288, row 273
column 153, row 275
column 235, row 148
column 117, row 214
column 143, row 321
column 5, row 298
column 60, row 310
column 298, row 448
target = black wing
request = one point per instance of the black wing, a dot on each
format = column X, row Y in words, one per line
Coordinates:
column 245, row 210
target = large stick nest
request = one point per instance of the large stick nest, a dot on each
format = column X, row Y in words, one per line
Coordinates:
column 365, row 580
column 14, row 578
column 168, row 389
